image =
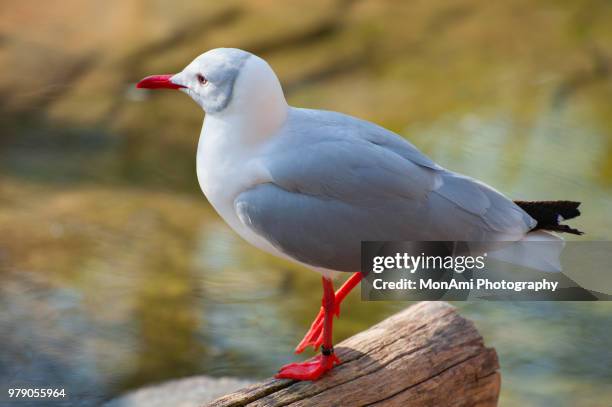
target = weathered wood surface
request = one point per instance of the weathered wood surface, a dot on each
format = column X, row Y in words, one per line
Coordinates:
column 426, row 355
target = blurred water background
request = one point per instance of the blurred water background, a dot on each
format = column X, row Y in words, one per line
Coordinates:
column 115, row 272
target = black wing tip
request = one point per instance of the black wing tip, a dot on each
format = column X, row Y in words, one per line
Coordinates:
column 563, row 229
column 549, row 214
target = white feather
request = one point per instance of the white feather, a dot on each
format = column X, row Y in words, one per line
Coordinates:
column 528, row 253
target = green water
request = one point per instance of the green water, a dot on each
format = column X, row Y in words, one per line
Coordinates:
column 114, row 271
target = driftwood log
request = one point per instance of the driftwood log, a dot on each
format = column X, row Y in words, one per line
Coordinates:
column 426, row 355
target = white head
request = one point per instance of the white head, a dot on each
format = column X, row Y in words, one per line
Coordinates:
column 226, row 81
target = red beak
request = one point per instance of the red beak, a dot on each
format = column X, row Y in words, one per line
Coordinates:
column 158, row 82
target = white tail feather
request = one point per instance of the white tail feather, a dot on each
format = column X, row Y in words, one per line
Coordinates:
column 543, row 257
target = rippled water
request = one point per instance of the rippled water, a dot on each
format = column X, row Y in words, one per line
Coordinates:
column 115, row 273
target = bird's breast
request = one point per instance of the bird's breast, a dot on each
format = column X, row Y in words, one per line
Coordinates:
column 225, row 169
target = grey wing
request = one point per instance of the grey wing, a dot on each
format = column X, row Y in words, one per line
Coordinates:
column 328, row 197
column 315, row 231
column 331, row 191
column 339, row 126
column 499, row 217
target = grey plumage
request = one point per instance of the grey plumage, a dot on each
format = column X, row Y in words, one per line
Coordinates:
column 338, row 180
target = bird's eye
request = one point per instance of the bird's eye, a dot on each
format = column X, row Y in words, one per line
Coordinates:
column 201, row 79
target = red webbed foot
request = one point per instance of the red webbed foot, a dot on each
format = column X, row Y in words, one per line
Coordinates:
column 309, row 370
column 320, row 334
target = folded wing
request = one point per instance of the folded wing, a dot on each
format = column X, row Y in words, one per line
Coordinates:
column 344, row 181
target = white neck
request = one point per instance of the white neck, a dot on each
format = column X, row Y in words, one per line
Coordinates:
column 231, row 140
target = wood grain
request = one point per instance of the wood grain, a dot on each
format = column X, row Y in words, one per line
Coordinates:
column 426, row 355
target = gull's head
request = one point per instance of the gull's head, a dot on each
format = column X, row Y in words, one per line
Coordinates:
column 224, row 80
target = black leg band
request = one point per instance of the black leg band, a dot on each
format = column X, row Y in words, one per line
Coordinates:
column 326, row 351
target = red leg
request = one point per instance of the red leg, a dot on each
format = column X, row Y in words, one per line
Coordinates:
column 314, row 336
column 313, row 369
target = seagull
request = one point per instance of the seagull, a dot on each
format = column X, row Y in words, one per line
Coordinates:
column 310, row 185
